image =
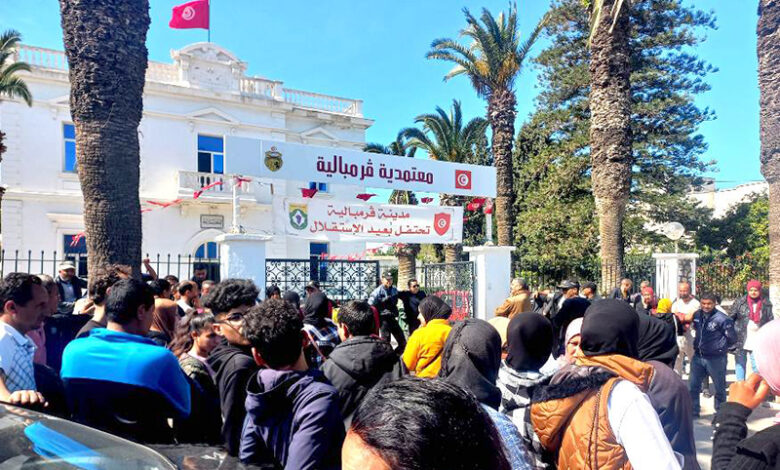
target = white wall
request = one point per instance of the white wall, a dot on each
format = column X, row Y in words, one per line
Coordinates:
column 42, row 203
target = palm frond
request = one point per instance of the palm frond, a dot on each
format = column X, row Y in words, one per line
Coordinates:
column 14, row 87
column 375, row 148
column 525, row 48
column 10, row 83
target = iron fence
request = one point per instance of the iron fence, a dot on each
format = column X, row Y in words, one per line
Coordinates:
column 340, row 280
column 41, row 262
column 728, row 278
column 453, row 283
column 549, row 276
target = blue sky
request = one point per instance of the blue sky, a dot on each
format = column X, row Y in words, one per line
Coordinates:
column 375, row 51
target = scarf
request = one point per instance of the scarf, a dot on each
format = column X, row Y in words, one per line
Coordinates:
column 165, row 317
column 471, row 359
column 610, row 326
column 529, row 339
column 766, row 351
column 315, row 310
column 754, row 305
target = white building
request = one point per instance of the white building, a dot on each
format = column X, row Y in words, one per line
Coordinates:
column 189, row 106
column 721, row 200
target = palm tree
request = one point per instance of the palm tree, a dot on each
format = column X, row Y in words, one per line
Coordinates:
column 105, row 43
column 769, row 84
column 610, row 129
column 10, row 84
column 492, row 61
column 445, row 138
column 407, row 252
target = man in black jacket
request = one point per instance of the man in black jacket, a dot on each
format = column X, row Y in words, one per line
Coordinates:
column 549, row 304
column 385, row 299
column 232, row 360
column 411, row 299
column 715, row 335
column 362, row 361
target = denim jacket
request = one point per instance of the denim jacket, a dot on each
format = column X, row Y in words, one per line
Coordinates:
column 715, row 333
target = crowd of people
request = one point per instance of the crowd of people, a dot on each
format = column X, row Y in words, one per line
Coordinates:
column 560, row 379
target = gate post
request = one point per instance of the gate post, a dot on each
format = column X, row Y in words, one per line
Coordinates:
column 242, row 255
column 493, row 267
column 671, row 269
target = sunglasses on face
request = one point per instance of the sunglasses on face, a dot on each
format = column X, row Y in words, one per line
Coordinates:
column 414, row 286
column 234, row 317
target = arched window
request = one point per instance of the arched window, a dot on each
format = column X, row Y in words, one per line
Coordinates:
column 208, row 250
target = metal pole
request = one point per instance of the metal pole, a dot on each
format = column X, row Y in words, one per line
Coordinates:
column 236, row 228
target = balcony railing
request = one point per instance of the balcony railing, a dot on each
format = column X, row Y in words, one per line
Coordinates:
column 192, row 181
column 316, row 101
column 159, row 72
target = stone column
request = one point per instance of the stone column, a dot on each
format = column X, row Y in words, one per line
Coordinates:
column 493, row 269
column 670, row 269
column 242, row 255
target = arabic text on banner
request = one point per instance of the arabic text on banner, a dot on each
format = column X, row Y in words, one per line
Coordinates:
column 299, row 162
column 316, row 219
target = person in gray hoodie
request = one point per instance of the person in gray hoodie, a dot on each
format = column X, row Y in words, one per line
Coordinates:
column 293, row 419
column 363, row 360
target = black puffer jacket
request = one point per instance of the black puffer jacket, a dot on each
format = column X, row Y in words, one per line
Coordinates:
column 740, row 313
column 359, row 364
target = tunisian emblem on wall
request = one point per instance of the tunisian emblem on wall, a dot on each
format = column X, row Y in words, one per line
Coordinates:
column 273, row 159
column 299, row 218
column 441, row 223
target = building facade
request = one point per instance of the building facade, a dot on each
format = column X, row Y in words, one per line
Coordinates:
column 720, row 201
column 190, row 105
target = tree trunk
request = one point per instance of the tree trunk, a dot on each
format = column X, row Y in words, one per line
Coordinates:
column 105, row 43
column 610, row 136
column 501, row 115
column 407, row 264
column 769, row 84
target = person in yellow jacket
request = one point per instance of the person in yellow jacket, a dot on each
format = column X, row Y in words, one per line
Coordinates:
column 422, row 355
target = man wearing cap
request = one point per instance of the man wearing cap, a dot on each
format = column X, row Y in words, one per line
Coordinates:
column 385, row 299
column 550, row 304
column 519, row 300
column 70, row 287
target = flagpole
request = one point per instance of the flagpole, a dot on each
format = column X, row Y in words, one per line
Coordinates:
column 209, row 30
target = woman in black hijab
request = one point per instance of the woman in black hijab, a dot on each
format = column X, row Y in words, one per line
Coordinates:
column 657, row 341
column 529, row 339
column 610, row 327
column 471, row 359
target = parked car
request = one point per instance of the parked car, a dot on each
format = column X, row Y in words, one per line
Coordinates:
column 33, row 440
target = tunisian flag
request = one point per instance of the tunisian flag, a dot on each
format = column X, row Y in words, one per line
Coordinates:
column 193, row 14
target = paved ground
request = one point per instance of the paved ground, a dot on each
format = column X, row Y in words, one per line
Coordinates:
column 761, row 418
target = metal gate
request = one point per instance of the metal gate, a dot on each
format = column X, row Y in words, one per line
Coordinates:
column 340, row 280
column 453, row 283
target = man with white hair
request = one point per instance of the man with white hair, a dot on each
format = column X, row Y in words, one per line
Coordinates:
column 71, row 287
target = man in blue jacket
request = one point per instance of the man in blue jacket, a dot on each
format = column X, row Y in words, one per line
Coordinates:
column 293, row 419
column 714, row 336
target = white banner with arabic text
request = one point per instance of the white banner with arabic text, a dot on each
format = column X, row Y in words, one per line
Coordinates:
column 321, row 219
column 298, row 162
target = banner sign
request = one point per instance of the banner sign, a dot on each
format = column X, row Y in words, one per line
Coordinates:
column 298, row 162
column 321, row 219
